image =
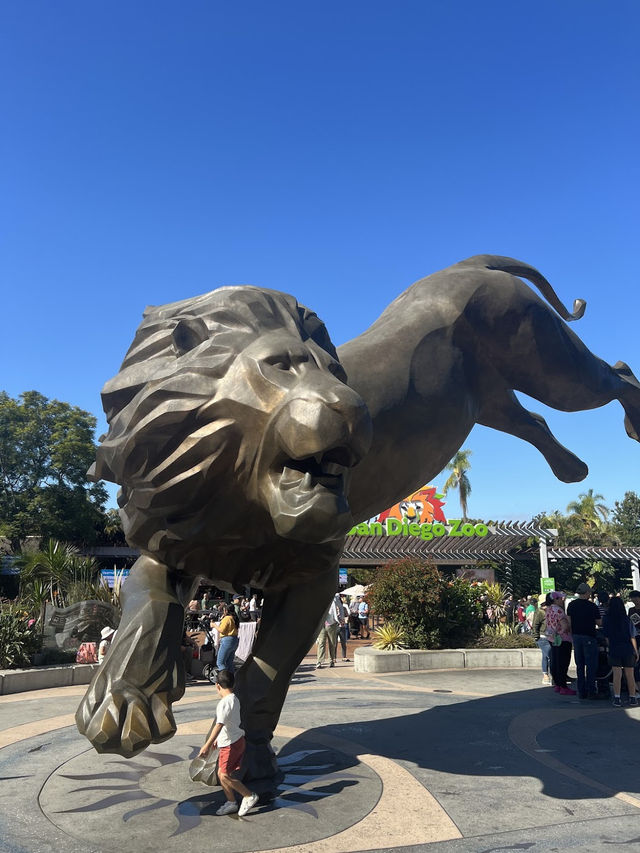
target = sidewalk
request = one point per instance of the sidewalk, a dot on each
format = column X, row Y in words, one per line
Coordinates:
column 465, row 760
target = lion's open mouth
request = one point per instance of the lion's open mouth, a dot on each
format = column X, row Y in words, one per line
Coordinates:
column 302, row 479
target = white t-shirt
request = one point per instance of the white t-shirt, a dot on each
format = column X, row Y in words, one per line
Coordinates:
column 228, row 713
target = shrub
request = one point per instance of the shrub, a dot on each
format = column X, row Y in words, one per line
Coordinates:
column 53, row 657
column 504, row 640
column 460, row 613
column 407, row 593
column 18, row 641
column 434, row 612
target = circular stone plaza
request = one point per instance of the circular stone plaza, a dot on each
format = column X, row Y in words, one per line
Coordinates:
column 439, row 760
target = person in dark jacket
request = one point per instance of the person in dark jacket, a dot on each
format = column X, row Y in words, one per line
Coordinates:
column 585, row 618
column 623, row 648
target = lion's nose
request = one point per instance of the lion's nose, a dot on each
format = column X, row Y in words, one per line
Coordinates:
column 323, row 418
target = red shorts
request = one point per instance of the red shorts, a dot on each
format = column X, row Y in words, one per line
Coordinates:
column 230, row 757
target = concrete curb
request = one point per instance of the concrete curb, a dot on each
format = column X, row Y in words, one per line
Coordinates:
column 368, row 659
column 41, row 677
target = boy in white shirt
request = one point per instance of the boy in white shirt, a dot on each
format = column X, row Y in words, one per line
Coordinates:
column 227, row 735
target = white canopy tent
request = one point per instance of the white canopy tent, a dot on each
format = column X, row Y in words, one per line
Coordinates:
column 358, row 589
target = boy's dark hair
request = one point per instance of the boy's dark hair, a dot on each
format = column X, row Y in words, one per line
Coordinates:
column 226, row 679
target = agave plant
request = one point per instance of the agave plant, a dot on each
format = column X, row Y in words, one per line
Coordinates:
column 495, row 596
column 389, row 637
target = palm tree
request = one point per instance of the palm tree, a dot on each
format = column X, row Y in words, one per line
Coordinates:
column 113, row 531
column 589, row 509
column 459, row 480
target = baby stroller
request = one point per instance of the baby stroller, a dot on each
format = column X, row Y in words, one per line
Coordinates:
column 208, row 647
column 354, row 626
column 603, row 672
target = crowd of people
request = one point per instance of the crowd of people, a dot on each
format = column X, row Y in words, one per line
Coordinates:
column 206, row 616
column 601, row 634
column 246, row 608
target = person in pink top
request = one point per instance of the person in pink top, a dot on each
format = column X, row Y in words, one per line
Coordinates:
column 558, row 632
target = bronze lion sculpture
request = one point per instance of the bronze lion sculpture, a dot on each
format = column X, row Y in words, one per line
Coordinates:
column 246, row 446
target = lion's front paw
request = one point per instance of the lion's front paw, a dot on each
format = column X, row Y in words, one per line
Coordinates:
column 126, row 720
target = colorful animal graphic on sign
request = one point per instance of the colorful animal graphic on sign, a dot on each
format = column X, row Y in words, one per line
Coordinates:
column 422, row 506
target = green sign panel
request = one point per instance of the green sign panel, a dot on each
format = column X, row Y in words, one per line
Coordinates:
column 547, row 585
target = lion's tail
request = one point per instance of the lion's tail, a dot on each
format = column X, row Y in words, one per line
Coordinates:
column 511, row 265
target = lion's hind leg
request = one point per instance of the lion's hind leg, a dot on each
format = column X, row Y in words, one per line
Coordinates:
column 503, row 411
column 630, row 399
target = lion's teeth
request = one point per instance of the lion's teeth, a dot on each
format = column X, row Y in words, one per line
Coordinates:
column 306, row 481
column 290, row 477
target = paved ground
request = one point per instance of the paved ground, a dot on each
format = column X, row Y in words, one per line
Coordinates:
column 449, row 761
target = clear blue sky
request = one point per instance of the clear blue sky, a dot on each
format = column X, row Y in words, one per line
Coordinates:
column 337, row 151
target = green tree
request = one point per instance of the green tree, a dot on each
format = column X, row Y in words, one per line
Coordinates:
column 46, row 447
column 626, row 519
column 459, row 479
column 599, row 574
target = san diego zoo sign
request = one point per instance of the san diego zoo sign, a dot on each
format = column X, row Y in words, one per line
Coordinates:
column 420, row 514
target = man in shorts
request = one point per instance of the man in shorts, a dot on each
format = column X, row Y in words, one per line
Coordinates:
column 227, row 735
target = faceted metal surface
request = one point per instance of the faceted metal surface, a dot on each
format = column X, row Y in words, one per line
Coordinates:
column 244, row 453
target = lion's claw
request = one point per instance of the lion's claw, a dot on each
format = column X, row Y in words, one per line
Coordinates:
column 126, row 721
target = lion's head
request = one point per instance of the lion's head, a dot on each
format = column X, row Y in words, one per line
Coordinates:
column 230, row 418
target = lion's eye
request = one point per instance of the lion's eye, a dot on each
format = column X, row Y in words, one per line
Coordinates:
column 189, row 333
column 279, row 362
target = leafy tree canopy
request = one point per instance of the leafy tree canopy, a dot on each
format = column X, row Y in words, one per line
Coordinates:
column 626, row 519
column 46, row 447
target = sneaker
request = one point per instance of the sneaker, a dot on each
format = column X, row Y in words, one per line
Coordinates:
column 633, row 702
column 227, row 808
column 567, row 691
column 333, row 663
column 617, row 703
column 345, row 660
column 546, row 679
column 247, row 804
column 318, row 666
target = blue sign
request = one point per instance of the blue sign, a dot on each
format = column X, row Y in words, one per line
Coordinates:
column 109, row 575
column 342, row 577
